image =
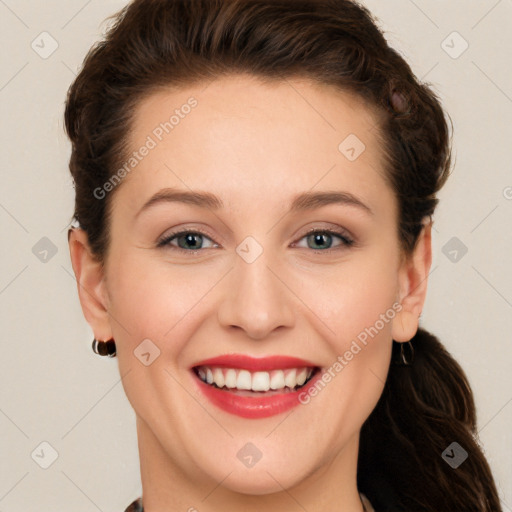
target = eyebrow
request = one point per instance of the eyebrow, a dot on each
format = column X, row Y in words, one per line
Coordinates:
column 170, row 195
column 301, row 202
column 312, row 200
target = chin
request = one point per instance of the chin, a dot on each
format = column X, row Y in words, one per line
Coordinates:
column 247, row 481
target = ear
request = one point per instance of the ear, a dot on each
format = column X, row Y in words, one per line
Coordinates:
column 90, row 281
column 413, row 279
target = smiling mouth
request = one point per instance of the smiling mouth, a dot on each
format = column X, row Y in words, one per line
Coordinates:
column 247, row 383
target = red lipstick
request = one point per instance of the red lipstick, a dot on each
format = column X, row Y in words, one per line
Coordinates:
column 255, row 364
column 254, row 404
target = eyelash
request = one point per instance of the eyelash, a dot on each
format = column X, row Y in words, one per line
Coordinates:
column 346, row 241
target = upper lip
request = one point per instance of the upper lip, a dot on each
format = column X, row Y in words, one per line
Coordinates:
column 245, row 362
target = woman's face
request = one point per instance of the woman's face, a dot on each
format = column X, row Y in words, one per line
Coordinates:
column 253, row 282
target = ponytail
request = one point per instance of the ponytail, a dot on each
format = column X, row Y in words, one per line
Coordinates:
column 405, row 463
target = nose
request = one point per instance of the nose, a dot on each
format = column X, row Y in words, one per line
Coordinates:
column 257, row 299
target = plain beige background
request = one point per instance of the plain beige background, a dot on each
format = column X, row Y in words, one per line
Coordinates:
column 56, row 391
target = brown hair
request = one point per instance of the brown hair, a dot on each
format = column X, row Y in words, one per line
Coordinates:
column 160, row 43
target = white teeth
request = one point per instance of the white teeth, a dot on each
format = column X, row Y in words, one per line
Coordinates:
column 290, row 378
column 243, row 381
column 230, row 377
column 260, row 381
column 277, row 379
column 255, row 381
column 218, row 377
column 302, row 376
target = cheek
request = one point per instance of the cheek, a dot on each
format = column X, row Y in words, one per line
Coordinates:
column 354, row 307
column 150, row 298
column 154, row 300
column 353, row 295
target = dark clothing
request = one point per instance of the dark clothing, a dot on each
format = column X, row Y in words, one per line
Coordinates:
column 136, row 506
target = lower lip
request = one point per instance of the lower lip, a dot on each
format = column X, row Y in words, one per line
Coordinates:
column 259, row 406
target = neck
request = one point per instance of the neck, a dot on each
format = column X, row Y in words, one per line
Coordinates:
column 168, row 487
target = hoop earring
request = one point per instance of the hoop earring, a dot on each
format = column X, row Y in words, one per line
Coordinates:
column 406, row 361
column 104, row 348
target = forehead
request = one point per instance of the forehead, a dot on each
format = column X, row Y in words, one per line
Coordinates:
column 241, row 136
